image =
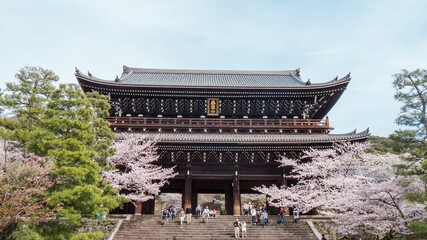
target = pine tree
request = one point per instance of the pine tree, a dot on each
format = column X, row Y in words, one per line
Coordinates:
column 68, row 133
column 66, row 126
column 411, row 91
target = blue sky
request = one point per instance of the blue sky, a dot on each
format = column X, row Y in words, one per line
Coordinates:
column 371, row 39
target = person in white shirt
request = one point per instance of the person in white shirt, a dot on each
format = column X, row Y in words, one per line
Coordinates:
column 253, row 214
column 181, row 216
column 243, row 227
column 205, row 214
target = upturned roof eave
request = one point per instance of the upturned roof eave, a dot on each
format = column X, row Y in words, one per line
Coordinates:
column 244, row 140
column 318, row 86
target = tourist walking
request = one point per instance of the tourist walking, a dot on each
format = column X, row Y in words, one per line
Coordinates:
column 253, row 214
column 243, row 228
column 296, row 215
column 173, row 213
column 245, row 209
column 181, row 216
column 282, row 219
column 198, row 211
column 165, row 216
column 236, row 225
column 264, row 215
column 188, row 214
column 205, row 214
column 258, row 215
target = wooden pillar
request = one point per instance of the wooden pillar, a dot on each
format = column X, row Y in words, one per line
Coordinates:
column 183, row 197
column 138, row 208
column 236, row 194
column 284, row 182
column 187, row 189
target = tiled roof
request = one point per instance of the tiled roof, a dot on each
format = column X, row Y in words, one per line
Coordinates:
column 164, row 77
column 211, row 78
column 255, row 138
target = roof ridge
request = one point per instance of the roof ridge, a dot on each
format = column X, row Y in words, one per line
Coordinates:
column 127, row 69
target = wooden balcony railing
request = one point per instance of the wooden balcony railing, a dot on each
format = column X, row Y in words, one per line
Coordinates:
column 217, row 124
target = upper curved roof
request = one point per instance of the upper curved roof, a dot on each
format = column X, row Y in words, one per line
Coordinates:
column 210, row 79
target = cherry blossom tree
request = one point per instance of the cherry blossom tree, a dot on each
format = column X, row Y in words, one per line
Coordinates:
column 360, row 191
column 136, row 176
column 24, row 180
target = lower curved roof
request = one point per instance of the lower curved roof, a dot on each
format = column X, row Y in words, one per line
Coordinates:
column 254, row 138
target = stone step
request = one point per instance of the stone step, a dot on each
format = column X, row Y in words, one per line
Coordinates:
column 149, row 227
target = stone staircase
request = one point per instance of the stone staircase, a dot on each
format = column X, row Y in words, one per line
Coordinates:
column 149, row 227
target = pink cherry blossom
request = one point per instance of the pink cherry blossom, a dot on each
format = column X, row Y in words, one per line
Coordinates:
column 171, row 199
column 358, row 190
column 137, row 176
column 24, row 179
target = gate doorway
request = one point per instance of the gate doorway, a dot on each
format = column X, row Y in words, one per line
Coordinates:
column 214, row 202
column 216, row 194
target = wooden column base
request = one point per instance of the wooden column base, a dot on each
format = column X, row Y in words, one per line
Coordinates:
column 236, row 196
column 187, row 192
column 138, row 208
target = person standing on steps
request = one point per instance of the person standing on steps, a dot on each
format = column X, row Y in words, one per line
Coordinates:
column 172, row 212
column 236, row 225
column 245, row 209
column 243, row 227
column 165, row 216
column 264, row 215
column 296, row 215
column 198, row 211
column 281, row 216
column 253, row 214
column 213, row 213
column 188, row 214
column 258, row 216
column 205, row 214
column 181, row 216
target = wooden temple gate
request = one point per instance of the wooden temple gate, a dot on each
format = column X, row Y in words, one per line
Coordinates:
column 223, row 130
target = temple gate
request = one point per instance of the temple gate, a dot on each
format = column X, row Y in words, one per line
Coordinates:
column 223, row 130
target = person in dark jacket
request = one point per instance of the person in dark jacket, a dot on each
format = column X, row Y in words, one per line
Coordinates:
column 188, row 214
column 165, row 216
column 236, row 225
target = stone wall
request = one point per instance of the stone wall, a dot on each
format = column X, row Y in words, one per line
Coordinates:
column 93, row 225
